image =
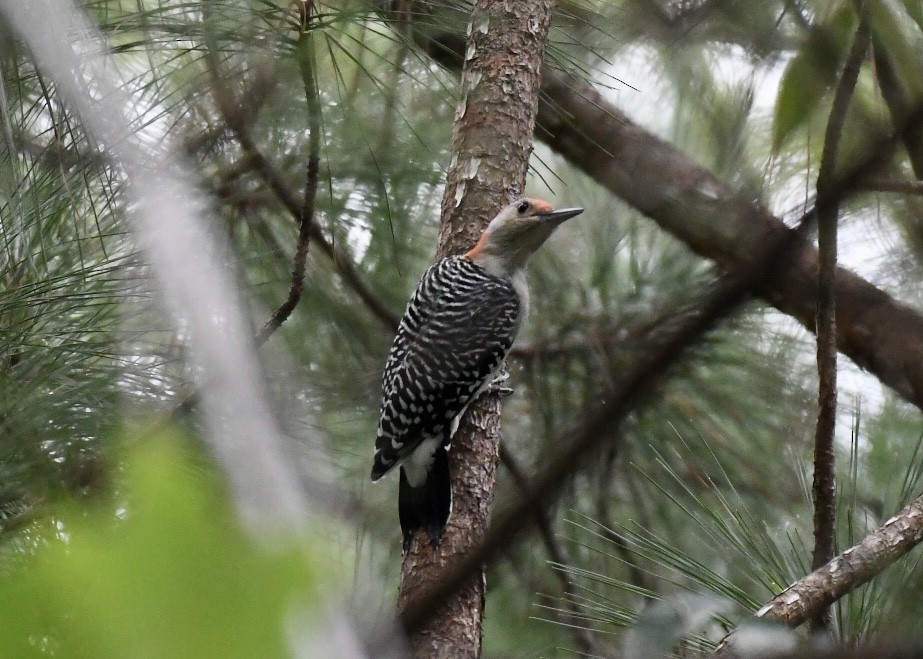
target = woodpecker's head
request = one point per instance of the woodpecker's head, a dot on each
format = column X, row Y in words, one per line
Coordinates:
column 516, row 233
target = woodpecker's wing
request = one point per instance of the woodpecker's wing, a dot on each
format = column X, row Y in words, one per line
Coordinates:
column 458, row 327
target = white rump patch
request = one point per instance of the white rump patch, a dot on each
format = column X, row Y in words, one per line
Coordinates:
column 418, row 463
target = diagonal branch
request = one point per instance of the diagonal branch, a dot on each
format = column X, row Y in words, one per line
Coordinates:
column 876, row 331
column 809, row 596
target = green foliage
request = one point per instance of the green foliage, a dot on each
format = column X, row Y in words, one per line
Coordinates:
column 811, row 73
column 902, row 42
column 63, row 269
column 735, row 553
column 163, row 570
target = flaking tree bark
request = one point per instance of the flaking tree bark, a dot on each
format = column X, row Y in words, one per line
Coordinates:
column 492, row 142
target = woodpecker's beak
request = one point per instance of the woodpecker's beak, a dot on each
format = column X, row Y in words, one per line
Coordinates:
column 559, row 216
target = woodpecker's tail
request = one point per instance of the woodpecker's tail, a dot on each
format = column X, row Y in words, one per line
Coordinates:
column 426, row 507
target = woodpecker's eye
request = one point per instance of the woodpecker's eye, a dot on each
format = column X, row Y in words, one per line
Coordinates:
column 523, row 207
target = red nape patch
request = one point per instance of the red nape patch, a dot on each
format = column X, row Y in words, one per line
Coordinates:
column 475, row 251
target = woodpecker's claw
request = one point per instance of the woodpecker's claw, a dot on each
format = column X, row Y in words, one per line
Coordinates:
column 498, row 385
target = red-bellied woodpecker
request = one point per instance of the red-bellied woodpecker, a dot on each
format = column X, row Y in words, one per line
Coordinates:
column 451, row 343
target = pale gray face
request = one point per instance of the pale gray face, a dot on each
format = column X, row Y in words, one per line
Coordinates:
column 516, row 233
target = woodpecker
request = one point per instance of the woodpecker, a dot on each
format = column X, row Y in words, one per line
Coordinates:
column 457, row 330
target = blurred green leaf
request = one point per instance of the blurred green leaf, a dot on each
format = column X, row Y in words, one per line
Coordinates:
column 900, row 39
column 914, row 9
column 170, row 574
column 811, row 73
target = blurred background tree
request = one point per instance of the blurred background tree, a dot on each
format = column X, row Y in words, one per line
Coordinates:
column 708, row 493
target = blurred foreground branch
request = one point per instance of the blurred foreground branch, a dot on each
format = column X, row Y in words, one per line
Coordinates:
column 195, row 286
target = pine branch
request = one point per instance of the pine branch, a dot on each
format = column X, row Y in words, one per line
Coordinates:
column 809, row 596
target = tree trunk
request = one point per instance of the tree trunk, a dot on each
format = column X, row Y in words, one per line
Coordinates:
column 492, row 142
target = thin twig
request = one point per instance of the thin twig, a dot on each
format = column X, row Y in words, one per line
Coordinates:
column 824, row 487
column 306, row 64
column 236, row 119
column 341, row 259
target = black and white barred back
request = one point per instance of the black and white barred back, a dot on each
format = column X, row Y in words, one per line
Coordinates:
column 457, row 329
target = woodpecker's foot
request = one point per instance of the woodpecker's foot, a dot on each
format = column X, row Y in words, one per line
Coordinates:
column 435, row 537
column 434, row 534
column 498, row 386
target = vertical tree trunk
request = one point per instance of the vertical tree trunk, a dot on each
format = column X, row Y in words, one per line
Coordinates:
column 492, row 141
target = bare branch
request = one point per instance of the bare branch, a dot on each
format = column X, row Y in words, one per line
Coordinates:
column 807, row 597
column 824, row 487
